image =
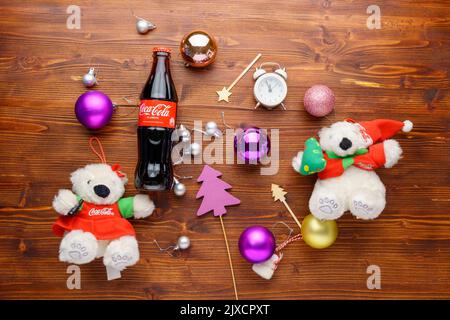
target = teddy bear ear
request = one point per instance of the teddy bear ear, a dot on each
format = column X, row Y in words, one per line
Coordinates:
column 76, row 177
column 117, row 170
column 322, row 132
column 124, row 179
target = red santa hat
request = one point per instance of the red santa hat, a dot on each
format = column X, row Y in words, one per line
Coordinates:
column 382, row 129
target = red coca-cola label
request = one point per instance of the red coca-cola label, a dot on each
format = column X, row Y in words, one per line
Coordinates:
column 157, row 113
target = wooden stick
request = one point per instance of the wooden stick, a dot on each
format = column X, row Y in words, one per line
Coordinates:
column 279, row 194
column 244, row 72
column 229, row 258
column 292, row 214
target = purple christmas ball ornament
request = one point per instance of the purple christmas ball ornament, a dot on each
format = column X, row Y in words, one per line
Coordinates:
column 257, row 244
column 251, row 144
column 94, row 109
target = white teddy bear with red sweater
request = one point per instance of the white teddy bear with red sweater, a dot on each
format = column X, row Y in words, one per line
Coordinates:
column 345, row 159
column 93, row 218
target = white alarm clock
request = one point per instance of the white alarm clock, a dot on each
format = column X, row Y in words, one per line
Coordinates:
column 270, row 88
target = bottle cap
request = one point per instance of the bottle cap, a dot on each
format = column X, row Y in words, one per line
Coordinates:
column 162, row 49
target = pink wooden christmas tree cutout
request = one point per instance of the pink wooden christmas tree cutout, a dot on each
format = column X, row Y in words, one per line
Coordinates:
column 214, row 193
column 216, row 198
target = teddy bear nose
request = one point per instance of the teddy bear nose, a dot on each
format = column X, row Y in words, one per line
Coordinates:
column 345, row 144
column 101, row 190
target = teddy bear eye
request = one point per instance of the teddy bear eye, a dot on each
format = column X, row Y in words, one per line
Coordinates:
column 89, row 181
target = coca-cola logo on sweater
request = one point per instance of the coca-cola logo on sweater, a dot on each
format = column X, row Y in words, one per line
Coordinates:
column 101, row 212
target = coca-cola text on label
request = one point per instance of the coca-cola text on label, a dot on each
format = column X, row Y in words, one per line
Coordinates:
column 157, row 113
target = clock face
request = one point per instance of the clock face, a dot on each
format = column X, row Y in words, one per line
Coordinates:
column 270, row 90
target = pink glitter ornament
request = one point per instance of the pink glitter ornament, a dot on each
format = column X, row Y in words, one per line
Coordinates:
column 319, row 100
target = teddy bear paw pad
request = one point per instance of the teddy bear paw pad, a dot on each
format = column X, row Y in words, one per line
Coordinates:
column 120, row 261
column 366, row 208
column 78, row 251
column 78, row 247
column 328, row 206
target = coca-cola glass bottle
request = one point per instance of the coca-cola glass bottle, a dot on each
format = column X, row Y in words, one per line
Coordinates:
column 157, row 117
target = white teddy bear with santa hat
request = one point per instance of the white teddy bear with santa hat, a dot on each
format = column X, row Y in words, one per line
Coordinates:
column 344, row 159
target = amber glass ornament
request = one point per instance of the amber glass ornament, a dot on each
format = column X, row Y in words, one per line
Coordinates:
column 198, row 49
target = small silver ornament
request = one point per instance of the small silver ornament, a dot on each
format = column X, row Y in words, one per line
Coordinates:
column 210, row 128
column 143, row 26
column 194, row 149
column 184, row 134
column 179, row 189
column 89, row 79
column 183, row 243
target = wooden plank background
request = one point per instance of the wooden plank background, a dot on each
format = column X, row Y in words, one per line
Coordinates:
column 400, row 71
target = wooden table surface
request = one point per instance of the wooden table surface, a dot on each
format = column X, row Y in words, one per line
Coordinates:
column 400, row 71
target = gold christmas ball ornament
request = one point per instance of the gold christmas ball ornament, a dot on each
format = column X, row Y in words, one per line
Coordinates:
column 319, row 234
column 198, row 49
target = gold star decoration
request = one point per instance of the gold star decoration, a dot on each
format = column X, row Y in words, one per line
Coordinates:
column 225, row 93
